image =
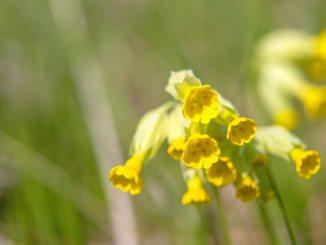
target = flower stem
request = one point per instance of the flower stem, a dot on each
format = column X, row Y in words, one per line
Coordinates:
column 282, row 207
column 222, row 222
column 270, row 231
column 202, row 229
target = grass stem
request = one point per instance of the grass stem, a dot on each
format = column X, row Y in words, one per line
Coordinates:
column 267, row 222
column 282, row 207
column 222, row 221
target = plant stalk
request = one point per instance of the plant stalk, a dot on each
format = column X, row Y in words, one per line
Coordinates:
column 282, row 207
column 222, row 221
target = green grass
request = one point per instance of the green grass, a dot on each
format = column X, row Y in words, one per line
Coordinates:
column 46, row 151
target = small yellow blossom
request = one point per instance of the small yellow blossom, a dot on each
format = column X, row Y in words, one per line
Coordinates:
column 127, row 177
column 175, row 149
column 259, row 160
column 200, row 151
column 268, row 196
column 241, row 130
column 317, row 70
column 307, row 162
column 314, row 100
column 247, row 189
column 287, row 118
column 201, row 104
column 320, row 46
column 221, row 172
column 196, row 193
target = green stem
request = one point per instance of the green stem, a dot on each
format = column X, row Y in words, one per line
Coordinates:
column 270, row 231
column 202, row 229
column 282, row 207
column 222, row 222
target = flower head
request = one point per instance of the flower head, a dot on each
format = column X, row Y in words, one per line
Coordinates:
column 175, row 149
column 221, row 172
column 241, row 130
column 201, row 104
column 200, row 151
column 127, row 177
column 259, row 160
column 268, row 195
column 320, row 45
column 196, row 193
column 287, row 118
column 314, row 100
column 317, row 69
column 247, row 189
column 307, row 162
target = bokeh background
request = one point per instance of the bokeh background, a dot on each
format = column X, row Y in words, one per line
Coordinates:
column 69, row 68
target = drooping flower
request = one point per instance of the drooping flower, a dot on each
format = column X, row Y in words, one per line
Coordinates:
column 221, row 172
column 196, row 193
column 317, row 68
column 287, row 118
column 175, row 148
column 200, row 151
column 267, row 196
column 127, row 177
column 320, row 46
column 307, row 162
column 241, row 130
column 259, row 160
column 314, row 100
column 201, row 104
column 247, row 189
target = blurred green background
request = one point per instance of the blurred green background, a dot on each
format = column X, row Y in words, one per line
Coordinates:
column 50, row 182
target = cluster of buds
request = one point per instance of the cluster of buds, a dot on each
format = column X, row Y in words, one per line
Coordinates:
column 290, row 66
column 213, row 143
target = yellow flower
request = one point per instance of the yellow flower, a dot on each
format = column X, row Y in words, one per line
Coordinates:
column 259, row 160
column 175, row 149
column 196, row 193
column 317, row 70
column 127, row 177
column 307, row 162
column 221, row 172
column 268, row 196
column 247, row 189
column 314, row 100
column 200, row 151
column 201, row 104
column 241, row 130
column 320, row 46
column 287, row 118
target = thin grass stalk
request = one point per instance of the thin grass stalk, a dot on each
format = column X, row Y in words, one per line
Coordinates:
column 282, row 207
column 267, row 223
column 37, row 167
column 91, row 89
column 221, row 219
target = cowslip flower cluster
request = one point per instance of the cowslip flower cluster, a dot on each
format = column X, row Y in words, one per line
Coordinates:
column 213, row 144
column 290, row 64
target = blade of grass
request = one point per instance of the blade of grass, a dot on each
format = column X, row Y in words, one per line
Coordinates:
column 282, row 207
column 267, row 222
column 221, row 219
column 91, row 90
